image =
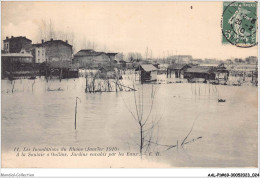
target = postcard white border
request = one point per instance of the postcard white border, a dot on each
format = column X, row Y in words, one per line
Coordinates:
column 124, row 172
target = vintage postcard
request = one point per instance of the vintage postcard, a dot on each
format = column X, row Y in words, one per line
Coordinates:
column 129, row 84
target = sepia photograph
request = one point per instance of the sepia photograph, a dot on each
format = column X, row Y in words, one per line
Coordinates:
column 129, row 84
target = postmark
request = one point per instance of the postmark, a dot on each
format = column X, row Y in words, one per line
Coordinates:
column 239, row 24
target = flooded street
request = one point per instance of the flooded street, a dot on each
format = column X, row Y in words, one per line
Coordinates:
column 33, row 115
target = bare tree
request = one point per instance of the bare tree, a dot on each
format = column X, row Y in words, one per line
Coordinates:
column 151, row 53
column 43, row 30
column 120, row 57
column 131, row 56
column 84, row 43
column 138, row 56
column 146, row 52
column 104, row 48
column 94, row 45
column 147, row 124
column 134, row 56
column 88, row 45
column 47, row 31
column 51, row 30
column 71, row 38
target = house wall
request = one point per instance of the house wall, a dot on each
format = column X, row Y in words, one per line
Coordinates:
column 18, row 59
column 6, row 47
column 245, row 67
column 103, row 58
column 58, row 52
column 154, row 75
column 129, row 65
column 11, row 64
column 112, row 57
column 147, row 76
column 91, row 60
column 222, row 75
column 83, row 61
column 15, row 45
column 39, row 55
column 206, row 76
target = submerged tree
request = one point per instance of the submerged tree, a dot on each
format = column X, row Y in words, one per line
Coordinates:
column 148, row 125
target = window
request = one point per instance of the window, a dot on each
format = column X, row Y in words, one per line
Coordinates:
column 6, row 47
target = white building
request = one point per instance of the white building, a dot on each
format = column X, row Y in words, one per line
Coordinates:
column 39, row 53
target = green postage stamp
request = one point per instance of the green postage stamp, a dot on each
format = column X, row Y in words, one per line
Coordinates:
column 239, row 23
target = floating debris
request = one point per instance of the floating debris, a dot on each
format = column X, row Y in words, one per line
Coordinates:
column 59, row 89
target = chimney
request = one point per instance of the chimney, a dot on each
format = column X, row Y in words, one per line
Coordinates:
column 12, row 36
column 67, row 41
column 42, row 41
column 7, row 38
column 51, row 39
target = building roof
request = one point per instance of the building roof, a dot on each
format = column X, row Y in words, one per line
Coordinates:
column 111, row 54
column 146, row 67
column 102, row 68
column 209, row 65
column 37, row 45
column 177, row 66
column 91, row 52
column 51, row 42
column 198, row 69
column 16, row 55
column 17, row 38
column 181, row 56
column 88, row 52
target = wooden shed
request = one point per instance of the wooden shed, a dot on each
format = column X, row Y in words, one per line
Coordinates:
column 200, row 72
column 178, row 70
column 147, row 72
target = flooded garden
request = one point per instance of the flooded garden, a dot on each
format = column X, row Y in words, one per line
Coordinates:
column 183, row 121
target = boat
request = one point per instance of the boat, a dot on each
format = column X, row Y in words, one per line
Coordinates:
column 221, row 100
column 59, row 89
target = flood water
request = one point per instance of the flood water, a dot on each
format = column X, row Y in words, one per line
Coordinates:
column 32, row 115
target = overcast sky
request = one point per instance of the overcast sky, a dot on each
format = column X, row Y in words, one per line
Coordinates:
column 164, row 27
